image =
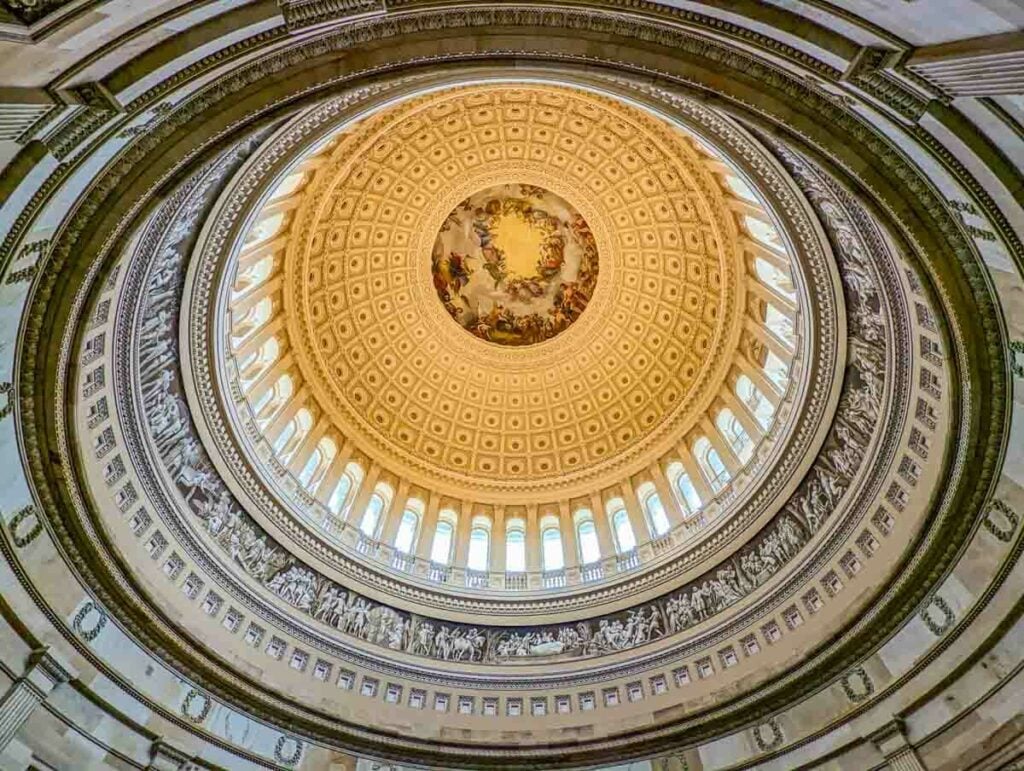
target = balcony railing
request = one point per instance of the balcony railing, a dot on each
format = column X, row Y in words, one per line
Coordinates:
column 344, row 533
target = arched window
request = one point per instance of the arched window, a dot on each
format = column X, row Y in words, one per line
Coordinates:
column 734, row 433
column 441, row 548
column 515, row 547
column 586, row 538
column 751, row 395
column 273, row 399
column 344, row 491
column 657, row 519
column 780, row 324
column 740, row 188
column 551, row 548
column 259, row 361
column 777, row 370
column 321, row 457
column 297, row 429
column 771, row 276
column 711, row 464
column 375, row 509
column 407, row 531
column 479, row 556
column 685, row 491
column 251, row 320
column 253, row 276
column 625, row 539
column 764, row 232
column 289, row 185
column 264, row 229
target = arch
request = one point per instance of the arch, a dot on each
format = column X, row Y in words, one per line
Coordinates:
column 622, row 528
column 654, row 509
column 254, row 318
column 682, row 485
column 319, row 461
column 774, row 278
column 740, row 188
column 478, row 556
column 780, row 325
column 291, row 436
column 405, row 538
column 515, row 546
column 734, row 433
column 444, row 538
column 253, row 276
column 759, row 406
column 764, row 233
column 777, row 370
column 259, row 361
column 375, row 509
column 711, row 465
column 273, row 399
column 343, row 491
column 587, row 543
column 552, row 556
column 264, row 228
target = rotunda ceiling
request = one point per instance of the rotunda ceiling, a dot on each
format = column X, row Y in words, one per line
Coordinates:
column 598, row 310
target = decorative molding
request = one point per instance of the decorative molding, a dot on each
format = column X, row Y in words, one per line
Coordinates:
column 77, row 623
column 24, row 538
column 293, row 756
column 1009, row 516
column 775, row 737
column 857, row 685
column 938, row 628
column 188, row 710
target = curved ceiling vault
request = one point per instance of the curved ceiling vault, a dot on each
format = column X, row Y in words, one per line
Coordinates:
column 493, row 385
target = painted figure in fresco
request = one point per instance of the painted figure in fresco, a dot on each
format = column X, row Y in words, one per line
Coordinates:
column 514, row 305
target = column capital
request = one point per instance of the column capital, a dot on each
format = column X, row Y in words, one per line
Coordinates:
column 165, row 757
column 44, row 671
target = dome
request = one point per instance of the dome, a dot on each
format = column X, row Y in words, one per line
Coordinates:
column 492, row 386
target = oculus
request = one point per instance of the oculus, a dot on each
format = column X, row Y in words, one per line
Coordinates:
column 514, row 264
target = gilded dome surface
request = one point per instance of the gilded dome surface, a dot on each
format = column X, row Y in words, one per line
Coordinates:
column 615, row 384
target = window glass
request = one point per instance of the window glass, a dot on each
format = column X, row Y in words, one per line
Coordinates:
column 773, row 277
column 441, row 549
column 515, row 551
column 734, row 433
column 751, row 395
column 551, row 549
column 406, row 531
column 711, row 464
column 656, row 514
column 479, row 542
column 776, row 370
column 372, row 515
column 590, row 549
column 625, row 540
column 780, row 324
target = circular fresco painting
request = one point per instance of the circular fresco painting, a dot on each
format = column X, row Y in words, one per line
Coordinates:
column 515, row 264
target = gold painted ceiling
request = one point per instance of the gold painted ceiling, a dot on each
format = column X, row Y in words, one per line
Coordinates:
column 392, row 369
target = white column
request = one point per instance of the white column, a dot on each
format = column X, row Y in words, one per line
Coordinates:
column 42, row 675
column 429, row 526
column 668, row 500
column 570, row 549
column 355, row 511
column 718, row 442
column 605, row 539
column 637, row 519
column 393, row 516
column 462, row 531
column 498, row 556
column 693, row 471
